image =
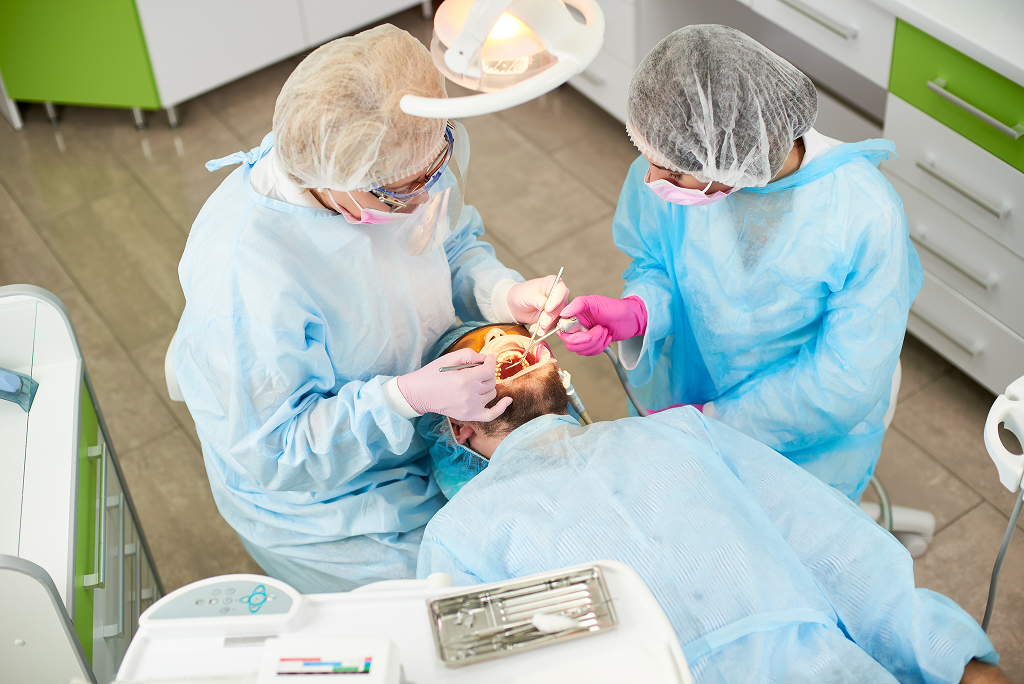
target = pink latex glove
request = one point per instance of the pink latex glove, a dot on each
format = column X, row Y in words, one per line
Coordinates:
column 462, row 394
column 610, row 320
column 526, row 301
column 699, row 407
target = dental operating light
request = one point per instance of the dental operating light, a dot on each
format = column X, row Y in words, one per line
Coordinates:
column 510, row 50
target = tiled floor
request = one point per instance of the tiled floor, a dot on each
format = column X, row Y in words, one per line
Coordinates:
column 98, row 214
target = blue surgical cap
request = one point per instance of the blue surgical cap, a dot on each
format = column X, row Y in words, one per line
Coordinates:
column 452, row 464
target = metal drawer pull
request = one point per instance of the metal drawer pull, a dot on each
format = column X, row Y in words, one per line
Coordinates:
column 987, row 282
column 592, row 78
column 847, row 32
column 971, row 348
column 98, row 579
column 929, row 168
column 117, row 631
column 938, row 86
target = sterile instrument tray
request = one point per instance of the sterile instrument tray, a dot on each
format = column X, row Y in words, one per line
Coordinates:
column 482, row 624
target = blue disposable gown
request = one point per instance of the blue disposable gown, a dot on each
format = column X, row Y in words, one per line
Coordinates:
column 766, row 574
column 294, row 320
column 784, row 305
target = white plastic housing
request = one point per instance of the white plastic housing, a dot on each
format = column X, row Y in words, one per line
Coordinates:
column 572, row 44
column 1009, row 410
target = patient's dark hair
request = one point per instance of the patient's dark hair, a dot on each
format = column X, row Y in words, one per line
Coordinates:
column 535, row 394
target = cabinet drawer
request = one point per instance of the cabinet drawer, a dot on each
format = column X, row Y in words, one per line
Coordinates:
column 606, row 82
column 856, row 32
column 620, row 30
column 959, row 92
column 956, row 173
column 970, row 262
column 981, row 346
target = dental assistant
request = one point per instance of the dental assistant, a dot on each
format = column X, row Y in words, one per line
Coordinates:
column 772, row 270
column 317, row 277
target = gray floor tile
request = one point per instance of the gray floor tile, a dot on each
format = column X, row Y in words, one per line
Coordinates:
column 524, row 197
column 188, row 537
column 49, row 170
column 959, row 565
column 124, row 253
column 921, row 366
column 247, row 105
column 559, row 119
column 24, row 257
column 171, row 163
column 132, row 410
column 593, row 265
column 946, row 419
column 149, row 356
column 602, row 156
column 915, row 480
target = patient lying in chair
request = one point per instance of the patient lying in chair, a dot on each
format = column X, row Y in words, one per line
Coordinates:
column 765, row 573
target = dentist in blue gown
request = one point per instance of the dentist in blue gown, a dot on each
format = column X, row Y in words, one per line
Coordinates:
column 317, row 277
column 772, row 270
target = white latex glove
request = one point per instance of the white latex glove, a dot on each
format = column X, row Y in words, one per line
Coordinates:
column 526, row 301
column 462, row 394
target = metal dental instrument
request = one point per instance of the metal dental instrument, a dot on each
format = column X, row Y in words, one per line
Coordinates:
column 536, row 329
column 445, row 369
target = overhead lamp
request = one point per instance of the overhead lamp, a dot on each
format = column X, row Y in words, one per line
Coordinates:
column 510, row 50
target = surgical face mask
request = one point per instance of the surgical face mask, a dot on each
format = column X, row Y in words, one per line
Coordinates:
column 430, row 224
column 684, row 196
column 366, row 216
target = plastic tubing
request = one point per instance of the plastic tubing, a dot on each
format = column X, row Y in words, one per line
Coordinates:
column 999, row 559
column 621, row 372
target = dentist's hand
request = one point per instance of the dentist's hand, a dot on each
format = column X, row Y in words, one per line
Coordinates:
column 526, row 301
column 610, row 320
column 462, row 394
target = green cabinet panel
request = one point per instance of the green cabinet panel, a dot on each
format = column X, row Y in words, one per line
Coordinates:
column 918, row 58
column 85, row 523
column 73, row 52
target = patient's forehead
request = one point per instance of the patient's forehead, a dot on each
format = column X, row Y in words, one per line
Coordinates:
column 475, row 339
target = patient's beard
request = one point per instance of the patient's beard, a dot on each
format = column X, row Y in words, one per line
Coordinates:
column 535, row 394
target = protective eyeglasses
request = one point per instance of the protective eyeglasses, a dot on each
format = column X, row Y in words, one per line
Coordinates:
column 399, row 199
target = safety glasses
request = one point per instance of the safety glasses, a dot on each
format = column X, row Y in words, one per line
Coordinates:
column 399, row 199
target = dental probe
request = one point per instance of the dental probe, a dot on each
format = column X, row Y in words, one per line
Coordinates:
column 461, row 366
column 536, row 328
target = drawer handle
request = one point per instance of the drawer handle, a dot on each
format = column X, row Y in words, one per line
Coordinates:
column 847, row 32
column 987, row 282
column 929, row 168
column 592, row 78
column 116, row 631
column 938, row 86
column 98, row 579
column 971, row 348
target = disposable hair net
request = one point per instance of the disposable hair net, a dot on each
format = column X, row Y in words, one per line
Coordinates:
column 337, row 123
column 451, row 464
column 714, row 103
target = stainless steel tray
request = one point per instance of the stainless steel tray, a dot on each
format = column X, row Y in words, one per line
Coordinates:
column 482, row 624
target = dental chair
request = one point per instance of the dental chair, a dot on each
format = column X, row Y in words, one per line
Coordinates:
column 913, row 527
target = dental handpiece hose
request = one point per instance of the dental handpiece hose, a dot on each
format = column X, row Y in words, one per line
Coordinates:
column 572, row 325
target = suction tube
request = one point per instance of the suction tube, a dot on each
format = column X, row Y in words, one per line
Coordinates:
column 574, row 398
column 999, row 559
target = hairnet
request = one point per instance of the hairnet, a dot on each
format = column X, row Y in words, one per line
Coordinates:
column 712, row 102
column 451, row 464
column 337, row 123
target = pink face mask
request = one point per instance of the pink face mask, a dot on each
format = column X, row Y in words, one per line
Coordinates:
column 684, row 196
column 367, row 216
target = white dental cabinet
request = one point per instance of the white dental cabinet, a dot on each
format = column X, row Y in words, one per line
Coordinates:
column 75, row 570
column 945, row 82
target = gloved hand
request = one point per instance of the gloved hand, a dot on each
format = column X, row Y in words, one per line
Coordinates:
column 462, row 394
column 610, row 320
column 526, row 301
